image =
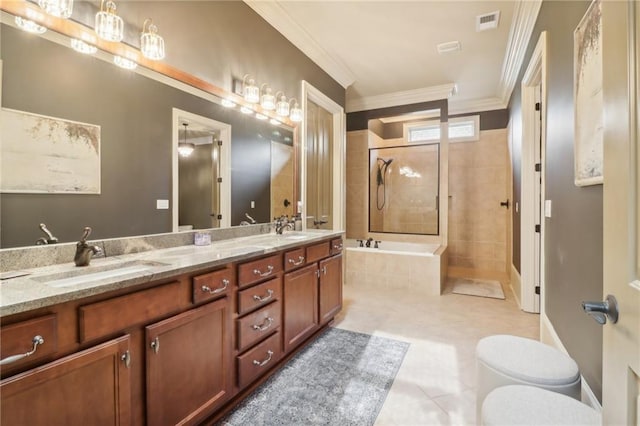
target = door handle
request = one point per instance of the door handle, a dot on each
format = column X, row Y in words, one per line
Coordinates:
column 600, row 311
column 505, row 204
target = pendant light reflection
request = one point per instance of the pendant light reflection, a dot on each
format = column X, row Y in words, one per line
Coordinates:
column 227, row 103
column 29, row 26
column 250, row 91
column 125, row 63
column 268, row 101
column 282, row 106
column 151, row 44
column 296, row 112
column 109, row 26
column 58, row 8
column 83, row 47
column 185, row 149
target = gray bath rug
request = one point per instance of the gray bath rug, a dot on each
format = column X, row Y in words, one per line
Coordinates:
column 481, row 288
column 340, row 379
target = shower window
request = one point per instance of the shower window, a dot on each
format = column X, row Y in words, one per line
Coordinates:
column 403, row 189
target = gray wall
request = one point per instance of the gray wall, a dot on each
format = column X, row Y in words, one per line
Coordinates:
column 573, row 246
column 136, row 127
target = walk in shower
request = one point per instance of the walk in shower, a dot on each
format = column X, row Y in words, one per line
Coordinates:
column 404, row 189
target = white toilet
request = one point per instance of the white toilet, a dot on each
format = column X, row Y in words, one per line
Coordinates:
column 527, row 405
column 503, row 360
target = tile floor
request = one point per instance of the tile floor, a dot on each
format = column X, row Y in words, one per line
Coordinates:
column 436, row 382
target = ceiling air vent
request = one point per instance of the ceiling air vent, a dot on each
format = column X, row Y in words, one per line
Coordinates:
column 488, row 21
column 448, row 47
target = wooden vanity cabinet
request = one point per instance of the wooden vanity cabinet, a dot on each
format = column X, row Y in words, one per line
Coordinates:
column 330, row 288
column 188, row 365
column 91, row 387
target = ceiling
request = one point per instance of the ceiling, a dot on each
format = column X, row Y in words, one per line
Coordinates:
column 384, row 52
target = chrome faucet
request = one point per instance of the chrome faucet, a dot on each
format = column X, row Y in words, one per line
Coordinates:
column 84, row 252
column 281, row 223
column 50, row 239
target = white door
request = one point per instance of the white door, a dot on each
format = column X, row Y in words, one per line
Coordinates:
column 621, row 341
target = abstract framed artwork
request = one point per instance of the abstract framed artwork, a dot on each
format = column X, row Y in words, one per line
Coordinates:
column 40, row 154
column 588, row 101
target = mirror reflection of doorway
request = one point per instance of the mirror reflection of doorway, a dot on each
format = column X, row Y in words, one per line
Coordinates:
column 201, row 183
column 319, row 154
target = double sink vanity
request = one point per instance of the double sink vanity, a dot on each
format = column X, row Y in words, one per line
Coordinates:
column 161, row 337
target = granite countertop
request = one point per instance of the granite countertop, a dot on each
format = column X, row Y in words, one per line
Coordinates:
column 55, row 284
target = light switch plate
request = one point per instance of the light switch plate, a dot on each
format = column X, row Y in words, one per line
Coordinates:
column 253, row 204
column 547, row 208
column 162, row 204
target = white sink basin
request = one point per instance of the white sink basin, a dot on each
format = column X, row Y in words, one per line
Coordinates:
column 90, row 274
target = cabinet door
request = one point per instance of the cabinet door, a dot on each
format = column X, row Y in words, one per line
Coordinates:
column 330, row 288
column 188, row 365
column 300, row 305
column 91, row 387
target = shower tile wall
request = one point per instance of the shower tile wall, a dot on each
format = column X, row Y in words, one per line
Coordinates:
column 478, row 182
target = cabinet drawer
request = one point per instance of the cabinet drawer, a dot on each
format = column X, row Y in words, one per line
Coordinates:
column 103, row 318
column 294, row 259
column 20, row 338
column 317, row 252
column 212, row 285
column 260, row 295
column 336, row 246
column 254, row 327
column 258, row 360
column 258, row 270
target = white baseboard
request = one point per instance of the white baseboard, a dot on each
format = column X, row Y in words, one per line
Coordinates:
column 549, row 336
column 515, row 279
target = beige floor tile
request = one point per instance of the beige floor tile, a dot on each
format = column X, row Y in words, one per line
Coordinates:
column 435, row 384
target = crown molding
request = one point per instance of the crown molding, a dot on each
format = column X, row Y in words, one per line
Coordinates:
column 524, row 19
column 475, row 105
column 278, row 18
column 407, row 97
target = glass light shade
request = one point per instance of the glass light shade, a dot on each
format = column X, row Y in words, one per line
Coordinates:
column 59, row 8
column 282, row 107
column 251, row 92
column 268, row 101
column 29, row 26
column 296, row 113
column 83, row 47
column 227, row 103
column 109, row 26
column 185, row 149
column 151, row 44
column 246, row 110
column 261, row 116
column 125, row 63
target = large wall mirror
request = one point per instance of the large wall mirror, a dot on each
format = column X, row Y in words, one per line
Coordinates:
column 137, row 158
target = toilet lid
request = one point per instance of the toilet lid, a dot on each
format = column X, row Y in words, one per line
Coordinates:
column 528, row 405
column 527, row 360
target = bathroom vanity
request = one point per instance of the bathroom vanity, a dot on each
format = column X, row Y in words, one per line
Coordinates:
column 180, row 337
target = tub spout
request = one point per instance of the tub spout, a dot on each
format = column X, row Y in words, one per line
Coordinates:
column 369, row 241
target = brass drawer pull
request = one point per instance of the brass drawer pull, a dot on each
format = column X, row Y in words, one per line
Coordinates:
column 225, row 284
column 265, row 298
column 37, row 340
column 265, row 325
column 263, row 274
column 265, row 362
column 299, row 262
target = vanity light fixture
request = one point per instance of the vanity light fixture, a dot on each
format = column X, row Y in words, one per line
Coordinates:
column 261, row 116
column 83, row 47
column 151, row 44
column 227, row 103
column 250, row 91
column 59, row 8
column 109, row 26
column 30, row 26
column 296, row 112
column 267, row 101
column 125, row 63
column 185, row 149
column 246, row 110
column 282, row 106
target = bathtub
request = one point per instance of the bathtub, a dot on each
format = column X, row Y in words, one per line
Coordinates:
column 395, row 265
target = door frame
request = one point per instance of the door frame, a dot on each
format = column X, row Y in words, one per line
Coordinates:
column 536, row 74
column 225, row 163
column 310, row 93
